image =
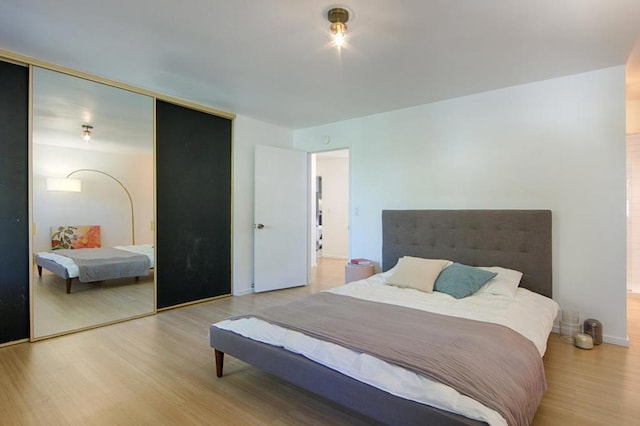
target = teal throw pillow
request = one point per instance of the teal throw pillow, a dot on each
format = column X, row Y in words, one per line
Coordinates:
column 460, row 280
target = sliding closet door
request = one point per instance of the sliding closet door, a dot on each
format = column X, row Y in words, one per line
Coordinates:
column 14, row 204
column 193, row 166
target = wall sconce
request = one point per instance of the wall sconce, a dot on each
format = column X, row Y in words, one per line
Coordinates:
column 75, row 185
column 86, row 133
column 338, row 17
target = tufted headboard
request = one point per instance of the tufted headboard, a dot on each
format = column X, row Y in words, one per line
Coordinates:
column 515, row 239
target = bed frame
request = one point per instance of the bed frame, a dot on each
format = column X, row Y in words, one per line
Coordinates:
column 62, row 272
column 516, row 239
column 57, row 269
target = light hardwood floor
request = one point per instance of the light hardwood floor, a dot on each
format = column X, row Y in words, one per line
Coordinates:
column 160, row 370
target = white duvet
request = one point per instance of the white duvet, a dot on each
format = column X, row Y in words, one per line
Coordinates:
column 74, row 271
column 527, row 313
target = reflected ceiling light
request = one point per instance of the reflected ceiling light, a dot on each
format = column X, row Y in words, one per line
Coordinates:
column 338, row 17
column 86, row 132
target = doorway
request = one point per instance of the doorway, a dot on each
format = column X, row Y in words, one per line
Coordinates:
column 633, row 213
column 329, row 206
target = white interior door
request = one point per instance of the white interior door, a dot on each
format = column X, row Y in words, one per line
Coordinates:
column 280, row 218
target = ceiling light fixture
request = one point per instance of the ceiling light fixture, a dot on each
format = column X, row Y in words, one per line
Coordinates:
column 338, row 17
column 86, row 133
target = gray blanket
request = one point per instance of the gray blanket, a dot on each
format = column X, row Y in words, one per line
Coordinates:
column 97, row 264
column 487, row 362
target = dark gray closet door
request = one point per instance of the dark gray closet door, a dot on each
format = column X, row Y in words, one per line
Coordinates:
column 193, row 172
column 14, row 203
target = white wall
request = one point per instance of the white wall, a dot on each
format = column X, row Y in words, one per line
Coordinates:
column 101, row 202
column 335, row 205
column 247, row 133
column 557, row 144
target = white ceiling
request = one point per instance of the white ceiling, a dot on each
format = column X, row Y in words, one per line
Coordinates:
column 271, row 60
column 122, row 121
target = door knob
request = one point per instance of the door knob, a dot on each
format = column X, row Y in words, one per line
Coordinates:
column 260, row 226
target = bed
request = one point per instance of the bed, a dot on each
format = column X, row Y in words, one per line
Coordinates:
column 519, row 240
column 97, row 264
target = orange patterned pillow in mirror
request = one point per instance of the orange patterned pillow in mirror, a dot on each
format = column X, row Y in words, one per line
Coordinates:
column 75, row 237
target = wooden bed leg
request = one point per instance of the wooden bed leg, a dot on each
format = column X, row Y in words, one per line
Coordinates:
column 219, row 362
column 39, row 270
column 69, row 285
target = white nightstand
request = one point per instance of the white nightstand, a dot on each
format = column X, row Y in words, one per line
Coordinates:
column 357, row 272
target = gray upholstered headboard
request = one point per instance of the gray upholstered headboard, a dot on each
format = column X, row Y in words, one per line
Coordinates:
column 515, row 239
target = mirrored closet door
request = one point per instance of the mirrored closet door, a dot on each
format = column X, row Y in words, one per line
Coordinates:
column 93, row 185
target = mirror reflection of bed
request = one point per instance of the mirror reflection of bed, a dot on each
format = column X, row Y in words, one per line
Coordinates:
column 115, row 167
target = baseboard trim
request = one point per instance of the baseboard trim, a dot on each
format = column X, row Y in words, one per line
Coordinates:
column 616, row 340
column 606, row 339
column 14, row 342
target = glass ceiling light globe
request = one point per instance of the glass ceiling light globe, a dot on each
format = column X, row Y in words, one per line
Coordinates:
column 338, row 17
column 86, row 133
column 338, row 29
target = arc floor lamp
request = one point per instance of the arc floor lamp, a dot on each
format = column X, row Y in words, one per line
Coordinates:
column 75, row 185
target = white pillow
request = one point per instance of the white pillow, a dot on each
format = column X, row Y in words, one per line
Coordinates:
column 386, row 274
column 504, row 284
column 417, row 273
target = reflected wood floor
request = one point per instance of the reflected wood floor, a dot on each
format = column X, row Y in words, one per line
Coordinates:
column 89, row 304
column 160, row 370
